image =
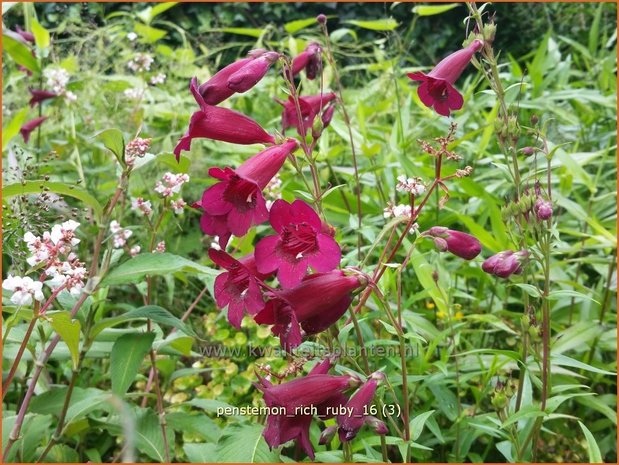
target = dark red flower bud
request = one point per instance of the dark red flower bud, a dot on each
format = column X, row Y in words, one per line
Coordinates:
column 39, row 95
column 458, row 243
column 321, row 18
column 355, row 417
column 310, row 60
column 252, row 72
column 30, row 126
column 506, row 263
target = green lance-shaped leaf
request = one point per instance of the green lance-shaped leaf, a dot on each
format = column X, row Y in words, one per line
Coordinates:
column 69, row 332
column 127, row 355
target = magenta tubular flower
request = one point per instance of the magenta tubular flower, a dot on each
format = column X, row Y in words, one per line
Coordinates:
column 252, row 72
column 236, row 288
column 30, row 126
column 314, row 305
column 354, row 419
column 300, row 243
column 436, row 89
column 317, row 389
column 506, row 263
column 458, row 243
column 310, row 106
column 39, row 95
column 308, row 60
column 236, row 203
column 216, row 89
column 221, row 124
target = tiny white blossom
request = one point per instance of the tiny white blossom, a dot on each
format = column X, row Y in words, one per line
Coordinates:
column 132, row 36
column 158, row 79
column 413, row 185
column 134, row 93
column 178, row 206
column 135, row 250
column 24, row 289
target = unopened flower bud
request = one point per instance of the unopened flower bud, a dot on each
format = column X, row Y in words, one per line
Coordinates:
column 327, row 435
column 528, row 151
column 377, row 425
column 499, row 400
column 534, row 120
column 321, row 18
column 543, row 209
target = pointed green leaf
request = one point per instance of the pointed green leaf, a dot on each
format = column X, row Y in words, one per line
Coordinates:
column 126, row 358
column 69, row 332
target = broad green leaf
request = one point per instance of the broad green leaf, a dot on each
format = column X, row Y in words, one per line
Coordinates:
column 148, row 33
column 114, row 141
column 37, row 187
column 41, row 35
column 563, row 293
column 12, row 129
column 377, row 25
column 153, row 312
column 126, row 358
column 200, row 425
column 154, row 264
column 593, row 449
column 20, row 53
column 201, row 452
column 294, row 26
column 254, row 449
column 69, row 332
column 149, row 437
column 417, row 423
column 431, row 10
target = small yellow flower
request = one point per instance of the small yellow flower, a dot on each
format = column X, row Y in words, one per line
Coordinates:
column 441, row 314
column 429, row 305
column 459, row 315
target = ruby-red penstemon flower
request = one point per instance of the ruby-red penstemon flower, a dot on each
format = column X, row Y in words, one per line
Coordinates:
column 238, row 287
column 506, row 263
column 356, row 409
column 30, row 126
column 314, row 305
column 436, row 89
column 40, row 95
column 308, row 60
column 221, row 124
column 318, row 389
column 458, row 243
column 310, row 107
column 234, row 204
column 300, row 242
column 239, row 76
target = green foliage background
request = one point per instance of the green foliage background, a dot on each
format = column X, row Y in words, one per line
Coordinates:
column 558, row 63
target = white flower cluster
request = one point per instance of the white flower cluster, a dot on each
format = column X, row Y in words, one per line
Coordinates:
column 52, row 251
column 171, row 184
column 141, row 205
column 57, row 80
column 120, row 235
column 23, row 289
column 394, row 211
column 134, row 93
column 132, row 36
column 178, row 206
column 140, row 62
column 413, row 185
column 158, row 79
column 160, row 247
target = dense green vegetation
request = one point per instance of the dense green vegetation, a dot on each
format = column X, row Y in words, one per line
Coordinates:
column 139, row 363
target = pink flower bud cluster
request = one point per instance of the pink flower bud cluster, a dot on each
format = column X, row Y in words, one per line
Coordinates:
column 143, row 206
column 119, row 234
column 136, row 148
column 413, row 186
column 171, row 184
